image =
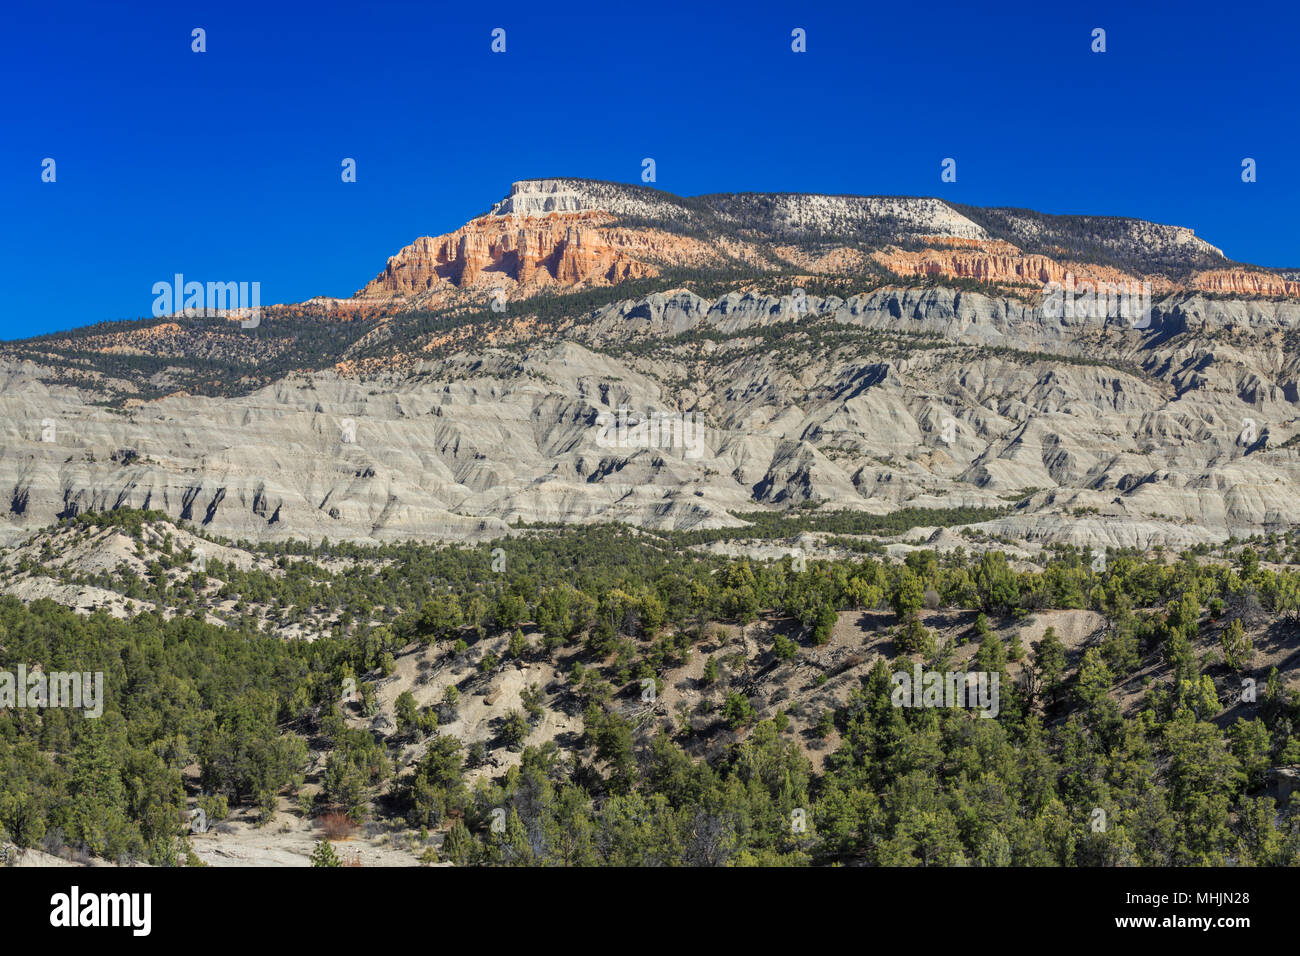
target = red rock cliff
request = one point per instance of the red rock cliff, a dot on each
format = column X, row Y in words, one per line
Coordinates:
column 563, row 249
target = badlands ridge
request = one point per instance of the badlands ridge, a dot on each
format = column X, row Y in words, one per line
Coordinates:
column 848, row 352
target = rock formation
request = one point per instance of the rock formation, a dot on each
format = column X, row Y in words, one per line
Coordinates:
column 884, row 397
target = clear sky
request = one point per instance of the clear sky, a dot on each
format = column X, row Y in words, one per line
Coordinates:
column 225, row 165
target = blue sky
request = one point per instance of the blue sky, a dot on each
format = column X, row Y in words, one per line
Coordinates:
column 225, row 165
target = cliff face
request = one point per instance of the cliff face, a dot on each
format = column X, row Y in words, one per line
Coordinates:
column 1245, row 282
column 564, row 249
column 1000, row 263
column 570, row 233
column 1004, row 265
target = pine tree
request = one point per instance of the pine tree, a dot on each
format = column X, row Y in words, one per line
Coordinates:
column 98, row 811
column 324, row 855
column 1049, row 663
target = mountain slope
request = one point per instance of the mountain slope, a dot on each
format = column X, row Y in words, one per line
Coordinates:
column 521, row 368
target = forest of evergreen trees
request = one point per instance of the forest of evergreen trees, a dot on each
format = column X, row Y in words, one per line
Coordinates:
column 1178, row 780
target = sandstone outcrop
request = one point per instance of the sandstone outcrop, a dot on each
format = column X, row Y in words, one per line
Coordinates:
column 1245, row 282
column 567, row 233
column 564, row 249
column 1005, row 266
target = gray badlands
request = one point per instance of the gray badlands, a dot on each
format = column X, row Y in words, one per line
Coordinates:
column 904, row 394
